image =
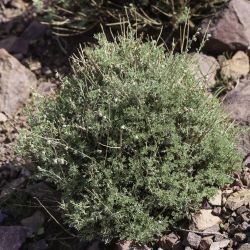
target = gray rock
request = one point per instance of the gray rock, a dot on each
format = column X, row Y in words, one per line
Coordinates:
column 205, row 68
column 216, row 211
column 218, row 237
column 244, row 247
column 193, row 240
column 229, row 28
column 46, row 88
column 220, row 244
column 16, row 83
column 12, row 237
column 215, row 228
column 239, row 237
column 245, row 226
column 34, row 222
column 237, row 102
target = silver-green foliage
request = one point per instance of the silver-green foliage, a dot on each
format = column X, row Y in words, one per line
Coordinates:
column 132, row 140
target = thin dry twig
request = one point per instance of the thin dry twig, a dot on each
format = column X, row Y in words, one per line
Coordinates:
column 198, row 232
column 57, row 222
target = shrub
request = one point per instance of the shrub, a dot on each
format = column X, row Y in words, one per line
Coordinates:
column 72, row 17
column 133, row 142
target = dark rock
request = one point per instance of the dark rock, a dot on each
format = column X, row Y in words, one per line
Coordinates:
column 2, row 217
column 39, row 245
column 170, row 241
column 246, row 217
column 95, row 245
column 12, row 187
column 206, row 205
column 15, row 45
column 233, row 229
column 43, row 192
column 206, row 242
column 127, row 245
column 34, row 31
column 231, row 220
column 34, row 222
column 242, row 210
column 246, row 179
column 12, row 237
column 16, row 83
column 229, row 28
column 238, row 219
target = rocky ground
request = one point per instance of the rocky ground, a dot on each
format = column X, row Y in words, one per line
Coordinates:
column 31, row 59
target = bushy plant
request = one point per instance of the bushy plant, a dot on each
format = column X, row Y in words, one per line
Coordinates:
column 132, row 140
column 69, row 17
